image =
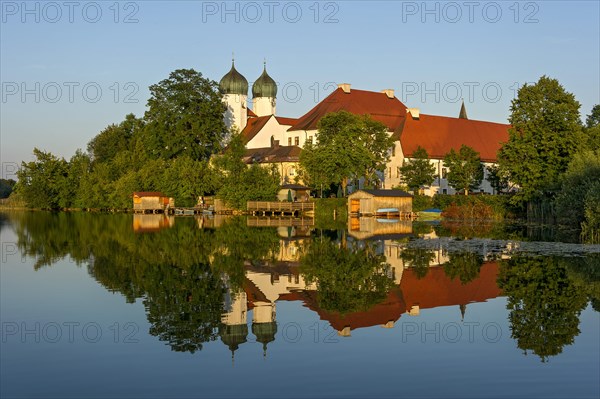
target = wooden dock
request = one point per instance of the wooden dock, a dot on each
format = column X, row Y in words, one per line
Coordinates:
column 280, row 208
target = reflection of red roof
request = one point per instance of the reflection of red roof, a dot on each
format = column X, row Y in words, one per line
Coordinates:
column 253, row 127
column 390, row 309
column 389, row 111
column 253, row 294
column 437, row 289
column 286, row 121
column 439, row 134
column 251, row 114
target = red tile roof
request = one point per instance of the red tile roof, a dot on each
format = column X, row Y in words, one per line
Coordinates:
column 286, row 121
column 254, row 126
column 389, row 111
column 439, row 134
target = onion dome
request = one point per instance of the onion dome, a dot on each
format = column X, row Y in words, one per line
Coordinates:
column 265, row 333
column 264, row 86
column 234, row 82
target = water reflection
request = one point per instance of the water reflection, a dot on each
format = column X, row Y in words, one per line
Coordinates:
column 199, row 278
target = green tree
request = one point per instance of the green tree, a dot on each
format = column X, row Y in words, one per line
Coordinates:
column 418, row 171
column 185, row 116
column 419, row 259
column 42, row 182
column 348, row 146
column 593, row 119
column 240, row 183
column 114, row 139
column 498, row 179
column 545, row 133
column 465, row 170
column 583, row 171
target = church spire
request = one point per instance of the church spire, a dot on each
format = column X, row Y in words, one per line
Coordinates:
column 463, row 111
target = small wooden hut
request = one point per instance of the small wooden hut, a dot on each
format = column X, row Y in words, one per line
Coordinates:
column 380, row 202
column 152, row 202
column 295, row 192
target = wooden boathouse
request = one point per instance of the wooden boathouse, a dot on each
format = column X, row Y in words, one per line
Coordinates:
column 385, row 203
column 152, row 202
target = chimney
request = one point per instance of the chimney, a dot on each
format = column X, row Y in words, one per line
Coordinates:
column 345, row 87
column 414, row 112
column 388, row 92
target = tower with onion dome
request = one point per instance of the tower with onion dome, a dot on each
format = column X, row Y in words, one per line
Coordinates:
column 235, row 88
column 264, row 92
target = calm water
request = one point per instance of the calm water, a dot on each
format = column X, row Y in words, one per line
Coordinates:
column 124, row 306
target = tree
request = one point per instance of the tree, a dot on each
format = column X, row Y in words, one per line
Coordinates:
column 593, row 119
column 498, row 179
column 465, row 169
column 114, row 139
column 418, row 171
column 241, row 183
column 6, row 187
column 185, row 116
column 577, row 181
column 348, row 146
column 41, row 181
column 545, row 133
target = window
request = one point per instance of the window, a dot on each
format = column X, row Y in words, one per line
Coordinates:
column 390, row 173
column 444, row 191
column 398, row 171
column 292, row 171
column 297, row 140
column 309, row 140
column 444, row 173
column 394, row 150
column 289, row 141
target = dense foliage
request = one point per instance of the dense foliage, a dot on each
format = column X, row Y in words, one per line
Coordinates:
column 168, row 150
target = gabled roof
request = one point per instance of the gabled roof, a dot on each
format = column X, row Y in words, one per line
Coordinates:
column 286, row 121
column 389, row 111
column 251, row 113
column 387, row 193
column 253, row 126
column 439, row 134
column 272, row 154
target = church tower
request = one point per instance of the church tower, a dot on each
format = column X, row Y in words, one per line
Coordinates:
column 264, row 92
column 235, row 87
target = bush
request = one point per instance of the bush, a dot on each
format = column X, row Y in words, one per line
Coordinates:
column 474, row 206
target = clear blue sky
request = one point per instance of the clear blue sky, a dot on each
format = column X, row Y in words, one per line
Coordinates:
column 431, row 53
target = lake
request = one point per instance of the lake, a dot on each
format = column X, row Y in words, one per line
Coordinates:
column 101, row 305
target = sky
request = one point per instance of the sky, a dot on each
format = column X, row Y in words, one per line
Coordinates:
column 68, row 69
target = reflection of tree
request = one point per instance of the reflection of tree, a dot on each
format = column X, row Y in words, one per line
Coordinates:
column 184, row 306
column 585, row 274
column 419, row 259
column 464, row 265
column 544, row 304
column 348, row 280
column 180, row 272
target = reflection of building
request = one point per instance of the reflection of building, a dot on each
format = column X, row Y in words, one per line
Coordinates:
column 148, row 223
column 364, row 228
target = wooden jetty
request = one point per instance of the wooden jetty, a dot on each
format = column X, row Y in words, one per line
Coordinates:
column 280, row 208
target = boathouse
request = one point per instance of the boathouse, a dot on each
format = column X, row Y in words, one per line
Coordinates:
column 380, row 202
column 152, row 202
